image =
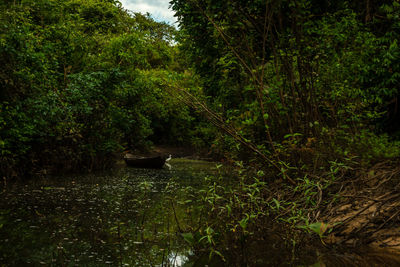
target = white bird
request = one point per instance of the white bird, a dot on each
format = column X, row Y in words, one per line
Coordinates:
column 166, row 160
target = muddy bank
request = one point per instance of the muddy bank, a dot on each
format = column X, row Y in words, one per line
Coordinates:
column 368, row 210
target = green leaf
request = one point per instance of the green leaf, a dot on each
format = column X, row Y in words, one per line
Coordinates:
column 188, row 237
column 276, row 203
column 243, row 222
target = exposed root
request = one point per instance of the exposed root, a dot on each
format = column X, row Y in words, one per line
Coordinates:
column 369, row 210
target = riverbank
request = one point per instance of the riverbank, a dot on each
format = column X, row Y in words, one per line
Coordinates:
column 187, row 152
column 360, row 209
column 352, row 213
column 368, row 210
column 265, row 240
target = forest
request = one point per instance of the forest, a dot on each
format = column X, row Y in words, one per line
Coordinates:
column 300, row 98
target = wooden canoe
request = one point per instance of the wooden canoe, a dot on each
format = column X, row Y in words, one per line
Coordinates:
column 146, row 162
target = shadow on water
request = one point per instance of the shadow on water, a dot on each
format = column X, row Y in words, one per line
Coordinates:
column 128, row 217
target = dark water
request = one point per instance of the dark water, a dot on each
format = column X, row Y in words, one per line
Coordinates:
column 127, row 217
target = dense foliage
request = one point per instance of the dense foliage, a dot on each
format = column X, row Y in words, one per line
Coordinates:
column 309, row 89
column 303, row 91
column 298, row 77
column 81, row 80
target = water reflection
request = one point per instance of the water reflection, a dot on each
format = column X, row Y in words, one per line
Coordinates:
column 177, row 259
column 359, row 257
column 132, row 217
column 125, row 218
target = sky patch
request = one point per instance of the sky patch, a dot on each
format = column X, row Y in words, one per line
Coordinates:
column 159, row 9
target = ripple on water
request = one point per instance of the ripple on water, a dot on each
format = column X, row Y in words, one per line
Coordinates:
column 119, row 218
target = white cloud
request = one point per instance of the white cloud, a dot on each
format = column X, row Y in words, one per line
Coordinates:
column 157, row 8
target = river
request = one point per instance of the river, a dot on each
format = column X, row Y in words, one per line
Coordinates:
column 124, row 217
